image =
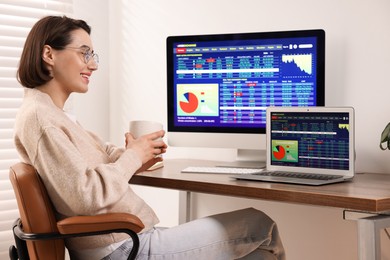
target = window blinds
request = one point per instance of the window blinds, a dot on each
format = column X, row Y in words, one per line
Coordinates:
column 16, row 19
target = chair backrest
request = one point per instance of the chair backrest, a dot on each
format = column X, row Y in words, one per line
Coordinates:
column 36, row 212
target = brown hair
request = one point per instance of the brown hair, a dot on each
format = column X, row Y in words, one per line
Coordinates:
column 50, row 30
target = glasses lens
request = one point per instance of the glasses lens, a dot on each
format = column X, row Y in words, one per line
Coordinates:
column 88, row 55
column 96, row 58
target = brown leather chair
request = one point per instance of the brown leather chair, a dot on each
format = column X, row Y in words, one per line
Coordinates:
column 37, row 233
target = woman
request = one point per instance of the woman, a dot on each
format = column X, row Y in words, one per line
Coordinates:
column 85, row 176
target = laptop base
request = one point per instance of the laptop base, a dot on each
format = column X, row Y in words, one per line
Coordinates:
column 288, row 180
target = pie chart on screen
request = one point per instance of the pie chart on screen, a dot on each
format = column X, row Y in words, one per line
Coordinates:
column 279, row 152
column 189, row 102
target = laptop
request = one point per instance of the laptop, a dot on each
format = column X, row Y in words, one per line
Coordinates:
column 308, row 145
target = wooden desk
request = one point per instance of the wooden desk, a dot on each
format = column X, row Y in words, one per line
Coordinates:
column 367, row 192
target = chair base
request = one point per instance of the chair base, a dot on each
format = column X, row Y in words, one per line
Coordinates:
column 13, row 253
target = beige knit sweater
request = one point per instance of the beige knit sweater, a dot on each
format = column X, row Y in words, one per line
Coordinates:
column 82, row 174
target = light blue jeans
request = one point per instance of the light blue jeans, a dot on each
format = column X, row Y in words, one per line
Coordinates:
column 242, row 234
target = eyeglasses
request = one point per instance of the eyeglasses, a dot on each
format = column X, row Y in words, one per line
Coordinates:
column 87, row 54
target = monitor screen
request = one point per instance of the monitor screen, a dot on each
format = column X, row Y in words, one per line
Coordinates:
column 220, row 85
column 306, row 138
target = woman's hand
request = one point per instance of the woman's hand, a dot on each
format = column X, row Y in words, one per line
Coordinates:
column 147, row 146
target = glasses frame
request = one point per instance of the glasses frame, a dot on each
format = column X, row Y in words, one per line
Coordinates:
column 88, row 55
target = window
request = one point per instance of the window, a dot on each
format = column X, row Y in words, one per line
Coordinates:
column 16, row 20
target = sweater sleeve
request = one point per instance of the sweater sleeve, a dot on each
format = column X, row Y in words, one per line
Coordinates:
column 74, row 182
column 113, row 151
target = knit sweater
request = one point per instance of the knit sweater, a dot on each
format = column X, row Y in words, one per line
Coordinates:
column 82, row 174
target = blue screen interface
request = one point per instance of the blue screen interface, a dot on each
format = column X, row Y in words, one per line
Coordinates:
column 306, row 140
column 230, row 83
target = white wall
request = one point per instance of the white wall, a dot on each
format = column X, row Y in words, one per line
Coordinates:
column 357, row 65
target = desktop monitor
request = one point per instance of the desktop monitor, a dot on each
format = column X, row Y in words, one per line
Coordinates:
column 220, row 85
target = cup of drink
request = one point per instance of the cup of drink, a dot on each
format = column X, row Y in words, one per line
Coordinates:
column 142, row 127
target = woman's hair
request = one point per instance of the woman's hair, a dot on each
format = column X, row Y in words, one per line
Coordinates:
column 54, row 31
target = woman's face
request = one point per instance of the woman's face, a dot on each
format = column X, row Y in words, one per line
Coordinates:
column 70, row 70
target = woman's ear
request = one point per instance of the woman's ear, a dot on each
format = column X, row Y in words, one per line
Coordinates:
column 47, row 54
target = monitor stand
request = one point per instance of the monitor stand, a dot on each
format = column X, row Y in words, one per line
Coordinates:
column 248, row 159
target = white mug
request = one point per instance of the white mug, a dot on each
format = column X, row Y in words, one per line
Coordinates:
column 142, row 127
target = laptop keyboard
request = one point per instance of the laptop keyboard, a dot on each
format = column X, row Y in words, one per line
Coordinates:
column 298, row 175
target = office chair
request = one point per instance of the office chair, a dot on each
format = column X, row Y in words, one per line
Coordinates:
column 37, row 233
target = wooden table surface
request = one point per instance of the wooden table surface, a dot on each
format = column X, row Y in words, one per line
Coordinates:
column 366, row 192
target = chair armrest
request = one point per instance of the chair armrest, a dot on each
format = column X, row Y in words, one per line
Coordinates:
column 101, row 222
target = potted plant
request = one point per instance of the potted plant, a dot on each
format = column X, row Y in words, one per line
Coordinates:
column 385, row 138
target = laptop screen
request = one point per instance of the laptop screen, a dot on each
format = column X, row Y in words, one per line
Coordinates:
column 310, row 139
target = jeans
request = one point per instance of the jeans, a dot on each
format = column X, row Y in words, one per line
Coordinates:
column 242, row 234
